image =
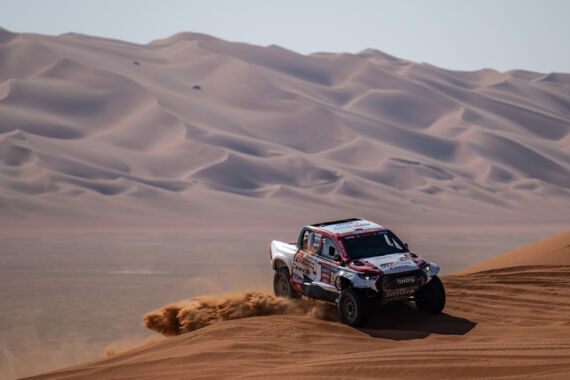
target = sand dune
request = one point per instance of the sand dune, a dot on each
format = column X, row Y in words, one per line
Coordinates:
column 552, row 251
column 508, row 322
column 117, row 126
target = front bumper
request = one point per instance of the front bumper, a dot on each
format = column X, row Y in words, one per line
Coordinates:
column 400, row 285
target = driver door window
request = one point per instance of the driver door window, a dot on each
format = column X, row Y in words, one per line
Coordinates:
column 329, row 250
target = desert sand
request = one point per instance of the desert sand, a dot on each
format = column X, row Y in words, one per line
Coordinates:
column 136, row 175
column 506, row 322
column 551, row 251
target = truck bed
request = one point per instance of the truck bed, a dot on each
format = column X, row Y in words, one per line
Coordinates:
column 284, row 252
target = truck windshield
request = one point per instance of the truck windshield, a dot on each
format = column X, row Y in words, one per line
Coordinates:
column 374, row 244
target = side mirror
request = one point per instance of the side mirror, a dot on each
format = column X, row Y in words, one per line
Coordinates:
column 406, row 246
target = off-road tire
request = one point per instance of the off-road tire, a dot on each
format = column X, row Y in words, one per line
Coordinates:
column 431, row 297
column 353, row 307
column 282, row 284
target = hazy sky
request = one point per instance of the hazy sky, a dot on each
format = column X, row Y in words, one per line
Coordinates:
column 502, row 34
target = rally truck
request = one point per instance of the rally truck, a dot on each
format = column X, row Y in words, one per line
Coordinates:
column 356, row 264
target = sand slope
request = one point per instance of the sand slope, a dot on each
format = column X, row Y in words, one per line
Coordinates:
column 502, row 323
column 109, row 134
column 551, row 251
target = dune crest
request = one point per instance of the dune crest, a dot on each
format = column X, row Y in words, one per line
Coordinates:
column 554, row 250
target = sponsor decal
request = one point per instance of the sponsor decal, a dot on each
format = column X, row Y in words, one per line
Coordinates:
column 419, row 261
column 406, row 281
column 296, row 278
column 326, row 273
column 312, row 267
column 351, row 226
column 297, row 268
column 341, row 226
column 399, row 292
column 303, row 264
column 398, row 264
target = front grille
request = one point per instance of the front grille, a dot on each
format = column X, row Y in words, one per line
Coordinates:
column 414, row 278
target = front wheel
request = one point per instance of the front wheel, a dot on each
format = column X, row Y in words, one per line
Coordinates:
column 352, row 307
column 282, row 284
column 431, row 297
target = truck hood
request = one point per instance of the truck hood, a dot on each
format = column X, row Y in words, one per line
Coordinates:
column 395, row 262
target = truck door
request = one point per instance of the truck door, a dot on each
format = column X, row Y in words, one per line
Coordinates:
column 328, row 259
column 305, row 265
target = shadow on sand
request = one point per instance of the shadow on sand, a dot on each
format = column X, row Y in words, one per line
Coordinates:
column 402, row 321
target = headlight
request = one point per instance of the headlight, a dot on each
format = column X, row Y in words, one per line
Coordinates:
column 427, row 268
column 367, row 277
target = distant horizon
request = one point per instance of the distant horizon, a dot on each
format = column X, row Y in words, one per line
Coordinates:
column 284, row 47
column 503, row 36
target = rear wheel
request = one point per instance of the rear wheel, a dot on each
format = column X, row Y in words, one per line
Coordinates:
column 282, row 284
column 352, row 307
column 431, row 297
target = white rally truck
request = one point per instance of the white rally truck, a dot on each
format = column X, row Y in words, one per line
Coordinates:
column 356, row 264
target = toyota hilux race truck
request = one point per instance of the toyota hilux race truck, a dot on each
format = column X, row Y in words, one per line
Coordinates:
column 356, row 264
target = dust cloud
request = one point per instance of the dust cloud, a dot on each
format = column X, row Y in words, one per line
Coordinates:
column 198, row 312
